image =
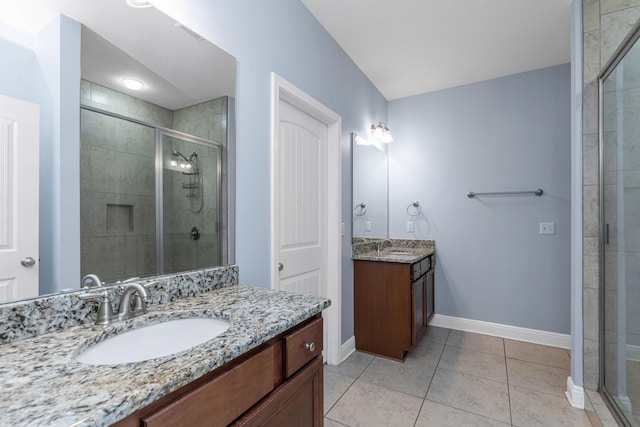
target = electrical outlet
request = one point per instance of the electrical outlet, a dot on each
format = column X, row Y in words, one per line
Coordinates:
column 367, row 226
column 409, row 226
column 547, row 228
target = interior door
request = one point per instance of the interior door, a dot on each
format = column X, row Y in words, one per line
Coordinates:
column 19, row 172
column 301, row 195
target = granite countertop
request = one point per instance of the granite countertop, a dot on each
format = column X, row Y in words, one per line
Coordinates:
column 395, row 250
column 41, row 383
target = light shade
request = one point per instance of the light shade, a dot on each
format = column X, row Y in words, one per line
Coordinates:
column 381, row 132
column 132, row 84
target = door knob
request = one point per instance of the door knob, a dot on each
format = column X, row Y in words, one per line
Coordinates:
column 280, row 266
column 28, row 262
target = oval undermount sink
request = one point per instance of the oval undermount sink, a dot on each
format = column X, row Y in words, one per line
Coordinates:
column 150, row 342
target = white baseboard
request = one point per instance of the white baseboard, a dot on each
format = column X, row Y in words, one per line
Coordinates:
column 347, row 349
column 575, row 394
column 535, row 336
column 633, row 352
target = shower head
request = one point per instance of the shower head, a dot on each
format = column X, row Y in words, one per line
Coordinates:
column 176, row 153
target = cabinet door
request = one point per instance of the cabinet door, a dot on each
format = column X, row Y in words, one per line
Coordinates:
column 429, row 303
column 418, row 309
column 299, row 402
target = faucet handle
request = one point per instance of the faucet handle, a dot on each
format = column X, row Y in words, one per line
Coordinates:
column 105, row 310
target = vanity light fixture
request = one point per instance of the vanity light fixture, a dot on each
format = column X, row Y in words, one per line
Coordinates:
column 360, row 140
column 381, row 132
column 132, row 84
column 139, row 3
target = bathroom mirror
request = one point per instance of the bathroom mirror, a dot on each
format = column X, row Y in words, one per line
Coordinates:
column 370, row 190
column 184, row 124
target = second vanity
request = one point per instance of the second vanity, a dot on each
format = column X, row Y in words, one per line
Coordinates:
column 266, row 368
column 393, row 295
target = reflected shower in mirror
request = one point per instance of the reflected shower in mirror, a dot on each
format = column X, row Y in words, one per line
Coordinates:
column 370, row 188
column 138, row 215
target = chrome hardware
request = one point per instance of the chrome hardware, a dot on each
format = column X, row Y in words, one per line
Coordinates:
column 137, row 306
column 90, row 281
column 417, row 209
column 310, row 346
column 360, row 209
column 195, row 233
column 381, row 245
column 28, row 262
column 105, row 310
column 280, row 266
column 537, row 192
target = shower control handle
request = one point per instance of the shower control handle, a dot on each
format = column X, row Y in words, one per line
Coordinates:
column 195, row 233
column 28, row 262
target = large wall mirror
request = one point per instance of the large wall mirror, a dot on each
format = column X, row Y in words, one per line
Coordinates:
column 154, row 166
column 370, row 190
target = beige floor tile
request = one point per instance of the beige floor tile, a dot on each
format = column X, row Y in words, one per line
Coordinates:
column 411, row 377
column 533, row 408
column 366, row 404
column 542, row 354
column 533, row 376
column 485, row 365
column 633, row 372
column 334, row 387
column 476, row 342
column 426, row 352
column 435, row 334
column 474, row 394
column 353, row 366
column 434, row 414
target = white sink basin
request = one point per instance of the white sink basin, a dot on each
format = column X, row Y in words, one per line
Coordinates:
column 149, row 342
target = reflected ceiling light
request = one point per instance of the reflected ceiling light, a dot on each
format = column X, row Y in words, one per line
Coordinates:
column 361, row 141
column 381, row 132
column 132, row 84
column 139, row 3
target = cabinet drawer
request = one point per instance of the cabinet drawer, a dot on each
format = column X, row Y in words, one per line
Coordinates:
column 425, row 264
column 223, row 399
column 416, row 271
column 301, row 346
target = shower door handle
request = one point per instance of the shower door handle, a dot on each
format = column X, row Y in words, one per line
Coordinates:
column 606, row 234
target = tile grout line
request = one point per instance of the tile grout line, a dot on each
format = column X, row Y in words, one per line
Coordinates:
column 347, row 389
column 506, row 368
column 432, row 376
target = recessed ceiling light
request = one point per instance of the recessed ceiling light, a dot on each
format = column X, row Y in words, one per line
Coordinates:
column 132, row 84
column 139, row 3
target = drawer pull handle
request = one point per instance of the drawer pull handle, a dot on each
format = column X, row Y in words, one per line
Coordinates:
column 310, row 346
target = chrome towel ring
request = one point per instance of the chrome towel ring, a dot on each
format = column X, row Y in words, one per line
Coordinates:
column 414, row 209
column 360, row 209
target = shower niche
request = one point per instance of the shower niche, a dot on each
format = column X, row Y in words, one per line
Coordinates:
column 152, row 185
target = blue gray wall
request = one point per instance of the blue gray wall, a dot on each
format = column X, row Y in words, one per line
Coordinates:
column 510, row 133
column 280, row 36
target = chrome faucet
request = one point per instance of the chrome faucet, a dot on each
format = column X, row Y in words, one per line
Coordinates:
column 137, row 306
column 381, row 245
column 90, row 281
column 133, row 303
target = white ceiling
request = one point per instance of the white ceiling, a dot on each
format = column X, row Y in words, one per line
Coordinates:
column 409, row 47
column 178, row 69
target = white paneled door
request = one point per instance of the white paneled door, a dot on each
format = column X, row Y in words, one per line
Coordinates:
column 19, row 166
column 301, row 166
column 306, row 187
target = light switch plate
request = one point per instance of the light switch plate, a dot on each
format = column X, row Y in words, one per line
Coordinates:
column 410, row 227
column 547, row 228
column 367, row 226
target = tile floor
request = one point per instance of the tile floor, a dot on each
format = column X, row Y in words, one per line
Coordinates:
column 454, row 378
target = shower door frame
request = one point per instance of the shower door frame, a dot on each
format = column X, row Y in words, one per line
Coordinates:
column 625, row 46
column 159, row 132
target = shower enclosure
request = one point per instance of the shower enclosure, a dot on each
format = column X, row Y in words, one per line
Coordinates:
column 151, row 198
column 620, row 234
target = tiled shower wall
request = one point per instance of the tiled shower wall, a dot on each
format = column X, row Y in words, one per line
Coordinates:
column 118, row 204
column 605, row 25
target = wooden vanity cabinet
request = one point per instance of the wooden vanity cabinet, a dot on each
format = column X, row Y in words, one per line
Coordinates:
column 393, row 303
column 280, row 383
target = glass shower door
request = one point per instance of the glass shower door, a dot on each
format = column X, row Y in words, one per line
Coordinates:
column 620, row 215
column 191, row 183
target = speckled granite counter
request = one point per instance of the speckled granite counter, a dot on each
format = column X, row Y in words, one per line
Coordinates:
column 41, row 384
column 394, row 250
